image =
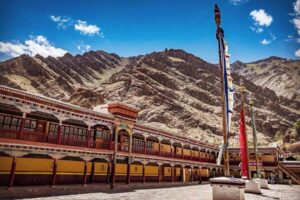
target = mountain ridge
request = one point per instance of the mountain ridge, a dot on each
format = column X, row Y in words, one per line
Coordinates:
column 175, row 90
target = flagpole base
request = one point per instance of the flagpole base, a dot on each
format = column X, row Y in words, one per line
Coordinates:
column 228, row 188
column 263, row 183
column 252, row 187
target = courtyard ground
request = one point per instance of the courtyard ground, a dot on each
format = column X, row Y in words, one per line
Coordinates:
column 191, row 192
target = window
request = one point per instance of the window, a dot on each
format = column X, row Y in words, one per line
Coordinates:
column 53, row 129
column 30, row 125
column 1, row 120
column 102, row 134
column 149, row 145
column 15, row 123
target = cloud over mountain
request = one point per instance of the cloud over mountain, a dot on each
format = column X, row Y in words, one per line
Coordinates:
column 33, row 46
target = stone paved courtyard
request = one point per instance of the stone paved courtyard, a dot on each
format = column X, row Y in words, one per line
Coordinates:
column 193, row 192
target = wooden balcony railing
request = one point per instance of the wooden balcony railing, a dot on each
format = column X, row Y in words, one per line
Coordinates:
column 39, row 137
column 8, row 133
column 103, row 144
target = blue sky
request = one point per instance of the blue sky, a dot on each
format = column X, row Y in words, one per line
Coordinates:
column 254, row 29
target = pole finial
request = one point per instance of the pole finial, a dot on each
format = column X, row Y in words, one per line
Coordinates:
column 217, row 15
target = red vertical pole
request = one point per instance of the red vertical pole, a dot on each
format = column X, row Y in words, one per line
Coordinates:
column 108, row 172
column 85, row 173
column 12, row 172
column 22, row 125
column 54, row 172
column 59, row 132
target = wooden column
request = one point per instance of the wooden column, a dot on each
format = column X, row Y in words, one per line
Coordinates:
column 159, row 147
column 200, row 178
column 58, row 139
column 108, row 172
column 92, row 172
column 54, row 172
column 22, row 125
column 199, row 155
column 114, row 162
column 192, row 174
column 121, row 138
column 88, row 138
column 182, row 152
column 128, row 172
column 145, row 143
column 110, row 140
column 12, row 172
column 159, row 173
column 129, row 160
column 172, row 174
column 181, row 174
column 144, row 173
column 85, row 173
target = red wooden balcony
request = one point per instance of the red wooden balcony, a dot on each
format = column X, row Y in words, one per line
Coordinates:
column 166, row 154
column 8, row 133
column 39, row 137
column 100, row 144
column 73, row 141
column 177, row 156
column 152, row 152
column 138, row 149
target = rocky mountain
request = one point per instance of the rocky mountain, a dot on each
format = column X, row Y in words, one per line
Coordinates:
column 278, row 74
column 175, row 90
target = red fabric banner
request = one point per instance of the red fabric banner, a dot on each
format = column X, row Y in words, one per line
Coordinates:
column 243, row 147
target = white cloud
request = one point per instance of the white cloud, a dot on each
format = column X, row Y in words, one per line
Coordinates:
column 265, row 42
column 62, row 22
column 297, row 53
column 84, row 28
column 257, row 29
column 261, row 18
column 296, row 22
column 237, row 2
column 297, row 7
column 83, row 48
column 34, row 45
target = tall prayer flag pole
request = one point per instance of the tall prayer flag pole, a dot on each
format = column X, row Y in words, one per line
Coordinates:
column 226, row 89
column 251, row 102
column 246, row 174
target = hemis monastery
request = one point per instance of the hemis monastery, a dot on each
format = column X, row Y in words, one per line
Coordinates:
column 48, row 142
